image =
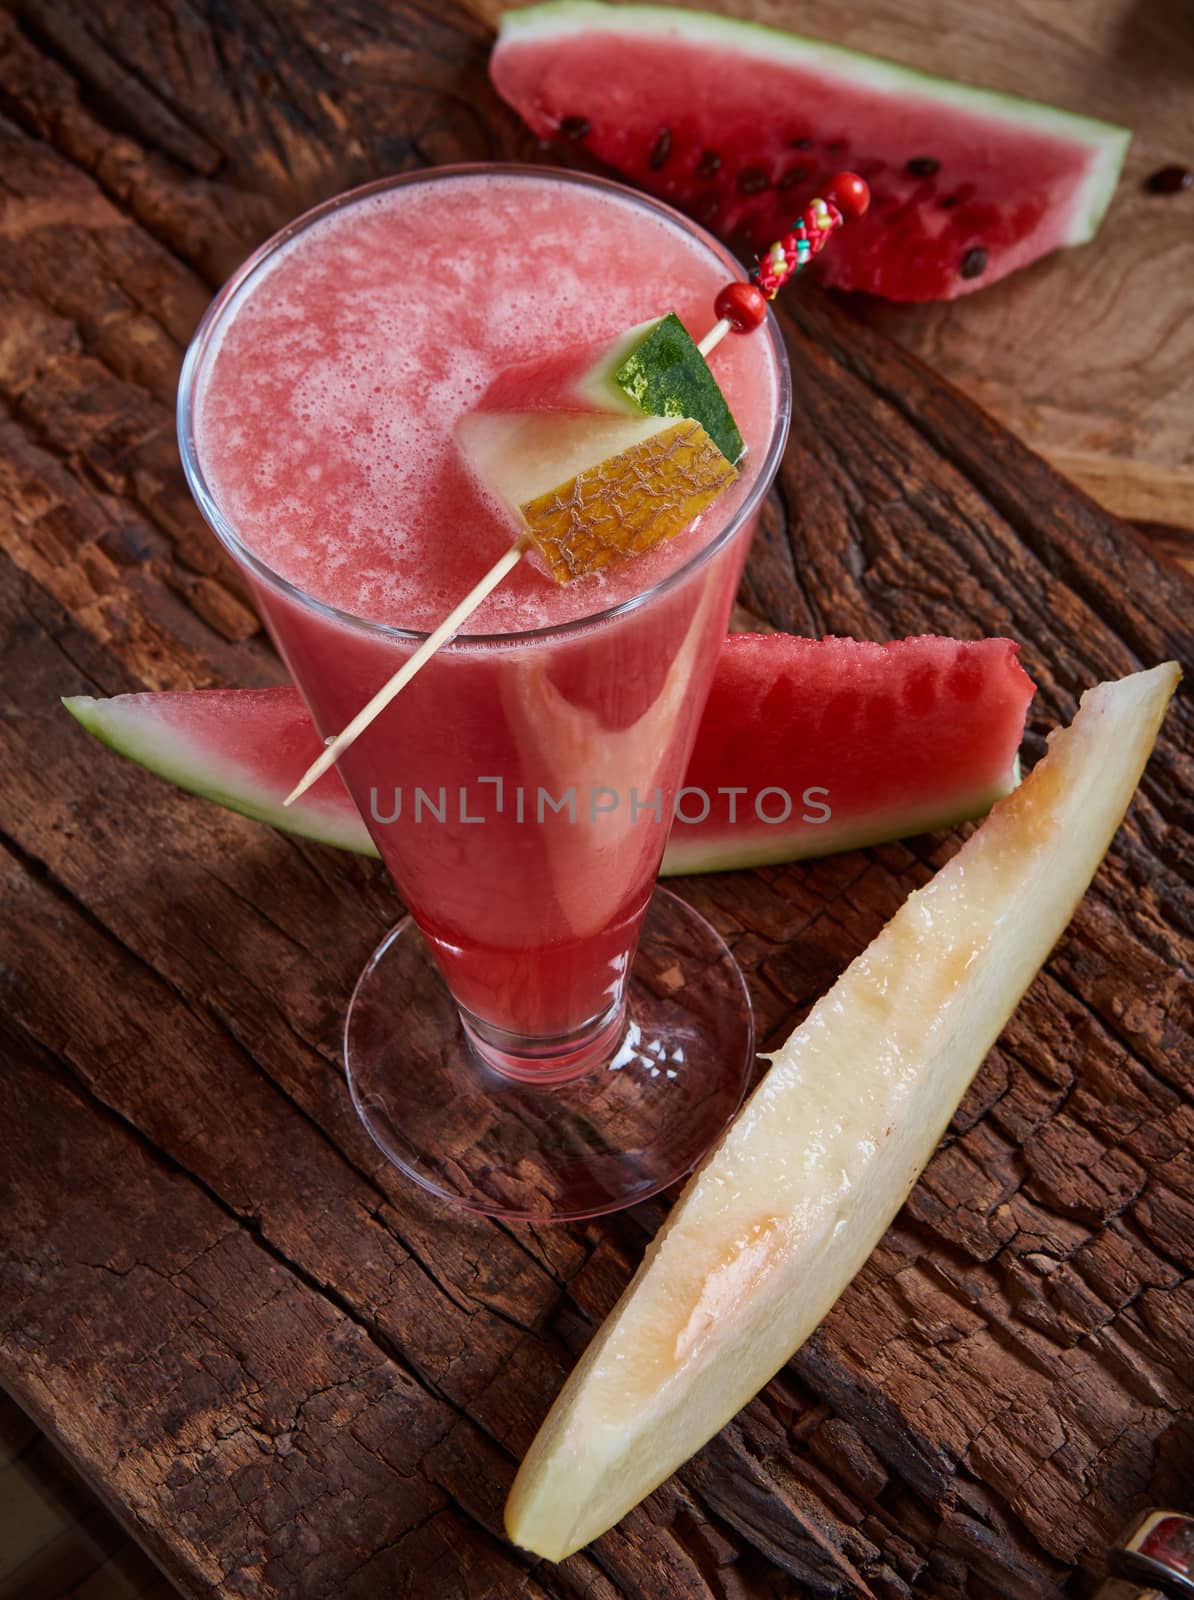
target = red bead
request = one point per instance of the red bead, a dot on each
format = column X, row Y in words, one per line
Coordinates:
column 744, row 305
column 849, row 193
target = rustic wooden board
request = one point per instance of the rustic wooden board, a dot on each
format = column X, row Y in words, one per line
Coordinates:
column 1089, row 355
column 288, row 1372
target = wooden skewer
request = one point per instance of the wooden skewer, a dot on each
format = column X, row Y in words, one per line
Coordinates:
column 715, row 335
column 851, row 196
column 451, row 624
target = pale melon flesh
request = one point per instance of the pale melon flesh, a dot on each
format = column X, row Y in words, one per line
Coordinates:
column 784, row 1212
column 522, row 455
column 591, row 490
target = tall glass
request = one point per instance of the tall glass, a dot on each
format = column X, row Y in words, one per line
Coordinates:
column 546, row 1035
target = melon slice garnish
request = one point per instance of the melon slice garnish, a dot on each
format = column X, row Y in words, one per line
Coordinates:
column 590, row 490
column 787, row 1208
column 628, row 503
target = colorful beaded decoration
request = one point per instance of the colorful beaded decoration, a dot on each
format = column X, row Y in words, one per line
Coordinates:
column 811, row 232
column 744, row 304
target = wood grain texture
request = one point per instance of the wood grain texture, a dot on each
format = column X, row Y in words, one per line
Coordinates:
column 291, row 1374
column 1088, row 355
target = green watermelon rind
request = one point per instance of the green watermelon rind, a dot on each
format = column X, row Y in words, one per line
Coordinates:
column 159, row 750
column 691, row 389
column 1106, row 141
column 623, row 381
column 735, row 853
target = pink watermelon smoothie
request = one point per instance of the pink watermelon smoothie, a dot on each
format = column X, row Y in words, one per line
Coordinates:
column 520, row 790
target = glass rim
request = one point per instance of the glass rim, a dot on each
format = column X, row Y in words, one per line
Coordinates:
column 212, row 321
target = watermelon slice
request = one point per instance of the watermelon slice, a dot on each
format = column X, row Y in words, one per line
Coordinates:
column 826, row 744
column 238, row 747
column 739, row 124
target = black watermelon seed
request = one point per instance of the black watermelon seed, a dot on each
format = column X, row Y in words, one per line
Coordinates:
column 574, row 127
column 709, row 165
column 1170, row 180
column 793, row 176
column 949, row 200
column 836, row 146
column 660, row 150
column 974, row 262
column 801, row 144
column 922, row 167
column 753, row 180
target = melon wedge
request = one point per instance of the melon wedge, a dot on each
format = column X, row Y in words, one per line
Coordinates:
column 783, row 1213
column 519, row 455
column 626, row 505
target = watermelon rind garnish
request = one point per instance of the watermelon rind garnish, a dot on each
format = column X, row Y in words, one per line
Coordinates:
column 910, row 247
column 657, row 368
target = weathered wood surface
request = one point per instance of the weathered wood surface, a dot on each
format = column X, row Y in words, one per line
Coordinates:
column 293, row 1375
column 1089, row 356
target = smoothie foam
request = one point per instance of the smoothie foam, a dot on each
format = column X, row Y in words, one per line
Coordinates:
column 327, row 412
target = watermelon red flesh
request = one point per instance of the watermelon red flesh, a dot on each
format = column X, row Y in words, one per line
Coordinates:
column 549, row 382
column 903, row 737
column 889, row 739
column 740, row 125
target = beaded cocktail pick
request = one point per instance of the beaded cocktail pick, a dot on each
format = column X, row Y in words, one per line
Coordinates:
column 569, row 549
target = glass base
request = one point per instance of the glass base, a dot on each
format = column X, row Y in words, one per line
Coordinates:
column 671, row 1073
